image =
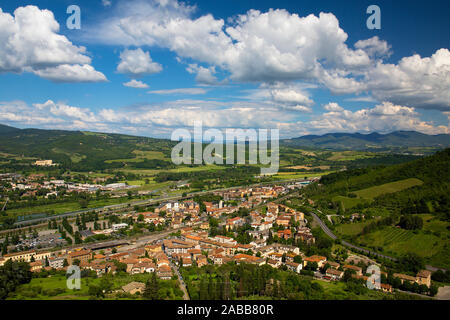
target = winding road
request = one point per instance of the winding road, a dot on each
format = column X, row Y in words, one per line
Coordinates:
column 347, row 244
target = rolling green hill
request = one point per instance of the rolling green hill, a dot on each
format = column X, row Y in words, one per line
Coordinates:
column 83, row 151
column 387, row 195
column 401, row 140
column 90, row 151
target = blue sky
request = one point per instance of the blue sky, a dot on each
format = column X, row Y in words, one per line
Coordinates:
column 146, row 67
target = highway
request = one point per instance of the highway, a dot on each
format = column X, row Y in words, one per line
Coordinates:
column 143, row 202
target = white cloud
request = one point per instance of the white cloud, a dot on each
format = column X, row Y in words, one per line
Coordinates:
column 160, row 119
column 64, row 110
column 106, row 3
column 137, row 63
column 30, row 42
column 71, row 73
column 333, row 106
column 385, row 117
column 270, row 46
column 136, row 84
column 361, row 99
column 374, row 47
column 279, row 46
column 193, row 91
column 298, row 108
column 290, row 97
column 203, row 75
column 414, row 81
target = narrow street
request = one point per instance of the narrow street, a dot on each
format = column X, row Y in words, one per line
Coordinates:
column 180, row 279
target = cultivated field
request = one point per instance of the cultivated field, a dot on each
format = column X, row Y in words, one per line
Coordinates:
column 391, row 187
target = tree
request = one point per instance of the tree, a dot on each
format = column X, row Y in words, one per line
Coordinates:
column 348, row 275
column 226, row 289
column 411, row 222
column 13, row 274
column 83, row 203
column 4, row 248
column 203, row 290
column 151, row 288
column 77, row 237
column 433, row 290
column 412, row 262
column 95, row 291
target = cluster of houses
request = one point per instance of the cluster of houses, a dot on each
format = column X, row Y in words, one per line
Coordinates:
column 194, row 246
column 34, row 182
column 148, row 259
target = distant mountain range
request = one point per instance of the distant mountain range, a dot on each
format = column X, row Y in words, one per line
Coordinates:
column 82, row 145
column 372, row 141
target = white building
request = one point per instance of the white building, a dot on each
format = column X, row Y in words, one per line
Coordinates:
column 119, row 226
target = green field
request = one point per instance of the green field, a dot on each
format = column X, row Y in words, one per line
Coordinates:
column 299, row 175
column 351, row 229
column 433, row 246
column 141, row 155
column 64, row 207
column 336, row 290
column 349, row 202
column 369, row 194
column 55, row 287
column 391, row 187
column 350, row 155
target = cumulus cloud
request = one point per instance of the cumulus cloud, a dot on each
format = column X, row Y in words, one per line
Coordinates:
column 203, row 75
column 385, row 117
column 137, row 63
column 290, row 96
column 414, row 81
column 31, row 43
column 257, row 46
column 333, row 106
column 71, row 73
column 136, row 84
column 158, row 119
column 66, row 111
column 276, row 45
column 375, row 47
